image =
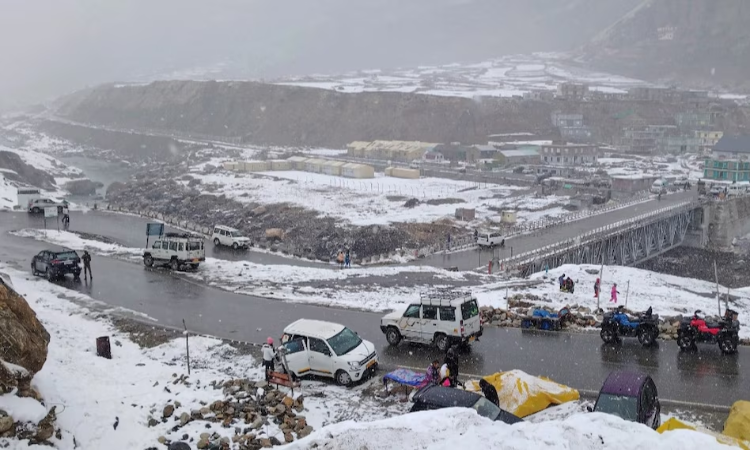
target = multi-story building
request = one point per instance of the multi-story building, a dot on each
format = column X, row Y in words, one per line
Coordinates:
column 707, row 139
column 693, row 120
column 566, row 154
column 572, row 91
column 729, row 160
column 566, row 120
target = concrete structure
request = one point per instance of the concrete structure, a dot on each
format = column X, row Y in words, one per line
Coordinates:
column 572, row 91
column 357, row 149
column 650, row 94
column 230, row 165
column 693, row 120
column 399, row 172
column 433, row 156
column 466, row 214
column 539, row 95
column 405, row 151
column 351, row 170
column 281, row 164
column 676, row 145
column 314, row 165
column 566, row 120
column 526, row 154
column 254, row 166
column 570, row 155
column 631, row 184
column 729, row 160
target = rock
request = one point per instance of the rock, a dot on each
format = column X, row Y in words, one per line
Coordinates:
column 82, row 187
column 257, row 423
column 24, row 172
column 202, row 443
column 205, row 411
column 152, row 422
column 25, row 338
column 179, row 446
column 274, row 441
column 168, row 411
column 260, row 210
column 288, row 401
column 161, row 439
column 301, row 423
column 279, row 409
column 184, row 418
column 305, row 432
column 266, row 443
column 218, row 405
column 46, row 427
column 6, row 423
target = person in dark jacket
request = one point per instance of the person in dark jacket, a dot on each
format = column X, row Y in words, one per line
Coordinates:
column 561, row 281
column 87, row 265
column 451, row 360
column 489, row 391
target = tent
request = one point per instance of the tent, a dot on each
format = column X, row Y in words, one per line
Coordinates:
column 523, row 394
column 675, row 424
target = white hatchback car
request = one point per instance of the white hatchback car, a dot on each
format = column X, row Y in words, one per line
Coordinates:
column 231, row 237
column 327, row 349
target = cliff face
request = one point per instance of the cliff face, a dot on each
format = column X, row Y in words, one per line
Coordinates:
column 701, row 43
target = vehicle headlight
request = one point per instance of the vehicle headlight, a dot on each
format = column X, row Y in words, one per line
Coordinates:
column 354, row 365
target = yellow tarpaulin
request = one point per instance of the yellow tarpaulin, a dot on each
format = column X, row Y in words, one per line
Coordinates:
column 737, row 424
column 674, row 424
column 523, row 394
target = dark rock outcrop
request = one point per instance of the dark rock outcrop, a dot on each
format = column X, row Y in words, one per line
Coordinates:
column 82, row 187
column 23, row 172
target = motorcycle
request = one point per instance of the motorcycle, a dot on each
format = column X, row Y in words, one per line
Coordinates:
column 725, row 332
column 617, row 323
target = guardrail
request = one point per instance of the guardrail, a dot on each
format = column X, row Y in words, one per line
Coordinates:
column 509, row 264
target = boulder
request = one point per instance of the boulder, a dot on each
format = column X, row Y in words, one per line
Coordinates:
column 25, row 337
column 168, row 411
column 6, row 423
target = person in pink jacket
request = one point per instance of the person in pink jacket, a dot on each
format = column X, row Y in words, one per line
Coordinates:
column 614, row 293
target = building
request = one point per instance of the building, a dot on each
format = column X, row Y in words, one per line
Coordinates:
column 567, row 154
column 632, row 184
column 572, row 91
column 707, row 139
column 566, row 120
column 351, row 170
column 522, row 154
column 676, row 145
column 650, row 94
column 433, row 156
column 357, row 149
column 693, row 120
column 729, row 160
column 539, row 95
column 405, row 151
column 577, row 134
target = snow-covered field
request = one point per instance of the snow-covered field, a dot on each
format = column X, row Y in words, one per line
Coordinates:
column 333, row 287
column 503, row 77
column 684, row 166
column 380, row 200
column 667, row 294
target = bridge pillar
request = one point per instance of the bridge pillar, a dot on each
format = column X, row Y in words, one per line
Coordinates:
column 698, row 232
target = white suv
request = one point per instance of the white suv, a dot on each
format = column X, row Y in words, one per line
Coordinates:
column 314, row 347
column 179, row 251
column 443, row 318
column 37, row 205
column 231, row 237
column 487, row 239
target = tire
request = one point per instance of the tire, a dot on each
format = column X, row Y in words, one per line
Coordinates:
column 441, row 342
column 174, row 265
column 36, row 210
column 647, row 336
column 33, row 269
column 393, row 336
column 685, row 341
column 194, row 266
column 235, row 246
column 608, row 335
column 343, row 378
column 216, row 242
column 148, row 261
column 727, row 345
column 48, row 275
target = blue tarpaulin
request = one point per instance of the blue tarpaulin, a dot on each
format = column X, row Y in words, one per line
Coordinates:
column 542, row 313
column 405, row 376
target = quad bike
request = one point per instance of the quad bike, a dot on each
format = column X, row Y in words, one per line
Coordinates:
column 617, row 323
column 725, row 332
column 543, row 320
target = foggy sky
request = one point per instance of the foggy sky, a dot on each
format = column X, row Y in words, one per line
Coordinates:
column 50, row 47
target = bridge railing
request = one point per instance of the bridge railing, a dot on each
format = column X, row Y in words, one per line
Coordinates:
column 595, row 234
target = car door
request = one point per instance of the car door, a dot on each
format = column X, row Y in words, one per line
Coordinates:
column 297, row 357
column 156, row 250
column 429, row 323
column 321, row 361
column 223, row 237
column 410, row 323
column 39, row 264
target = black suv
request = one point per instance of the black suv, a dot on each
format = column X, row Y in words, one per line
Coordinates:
column 439, row 397
column 56, row 264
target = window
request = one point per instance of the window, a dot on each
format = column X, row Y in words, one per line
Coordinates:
column 618, row 405
column 448, row 313
column 318, row 346
column 295, row 345
column 344, row 342
column 181, row 247
column 217, row 231
column 469, row 309
column 194, row 246
column 412, row 312
column 157, row 244
column 222, row 232
column 429, row 312
column 165, row 245
column 173, row 246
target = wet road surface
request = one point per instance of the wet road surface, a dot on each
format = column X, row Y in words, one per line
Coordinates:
column 580, row 360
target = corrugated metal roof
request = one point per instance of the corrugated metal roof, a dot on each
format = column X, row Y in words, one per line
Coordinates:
column 733, row 144
column 519, row 152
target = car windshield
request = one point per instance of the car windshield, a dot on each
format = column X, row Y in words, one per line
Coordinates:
column 618, row 405
column 344, row 342
column 66, row 256
column 469, row 309
column 194, row 245
column 237, row 234
column 486, row 408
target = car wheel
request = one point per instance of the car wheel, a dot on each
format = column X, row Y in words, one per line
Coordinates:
column 235, row 246
column 393, row 336
column 343, row 378
column 646, row 336
column 727, row 345
column 174, row 265
column 216, row 242
column 608, row 335
column 36, row 210
column 49, row 275
column 441, row 342
column 148, row 260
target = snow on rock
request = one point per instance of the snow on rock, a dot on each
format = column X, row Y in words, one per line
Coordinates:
column 449, row 429
column 24, row 409
column 8, row 193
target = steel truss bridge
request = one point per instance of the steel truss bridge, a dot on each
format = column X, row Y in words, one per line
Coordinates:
column 623, row 243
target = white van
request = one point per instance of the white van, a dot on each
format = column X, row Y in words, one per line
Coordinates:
column 659, row 187
column 443, row 318
column 490, row 239
column 327, row 349
column 231, row 237
column 736, row 189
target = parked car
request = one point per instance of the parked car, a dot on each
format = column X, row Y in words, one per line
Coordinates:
column 231, row 237
column 631, row 396
column 443, row 318
column 725, row 332
column 617, row 323
column 179, row 251
column 490, row 239
column 37, row 206
column 55, row 264
column 327, row 349
column 439, row 397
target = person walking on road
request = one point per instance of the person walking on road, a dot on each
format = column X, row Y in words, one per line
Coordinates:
column 347, row 259
column 613, row 298
column 87, row 265
column 340, row 259
column 597, row 287
column 268, row 356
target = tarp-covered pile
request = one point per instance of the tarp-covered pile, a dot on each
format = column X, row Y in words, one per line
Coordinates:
column 523, row 394
column 675, row 424
column 737, row 424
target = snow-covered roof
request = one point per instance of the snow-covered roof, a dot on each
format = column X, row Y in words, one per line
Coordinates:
column 314, row 328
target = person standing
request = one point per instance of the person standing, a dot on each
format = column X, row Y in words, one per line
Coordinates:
column 432, row 376
column 87, row 265
column 347, row 259
column 597, row 287
column 340, row 259
column 451, row 361
column 613, row 298
column 268, row 356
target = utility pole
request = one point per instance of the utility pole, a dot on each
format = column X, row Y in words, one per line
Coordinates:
column 601, row 279
column 718, row 294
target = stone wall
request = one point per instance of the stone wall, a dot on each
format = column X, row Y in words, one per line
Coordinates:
column 728, row 219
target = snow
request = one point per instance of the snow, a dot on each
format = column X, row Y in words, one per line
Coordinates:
column 366, row 201
column 8, row 195
column 449, row 429
column 22, row 409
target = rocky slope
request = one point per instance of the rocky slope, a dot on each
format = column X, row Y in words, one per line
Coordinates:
column 702, row 43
